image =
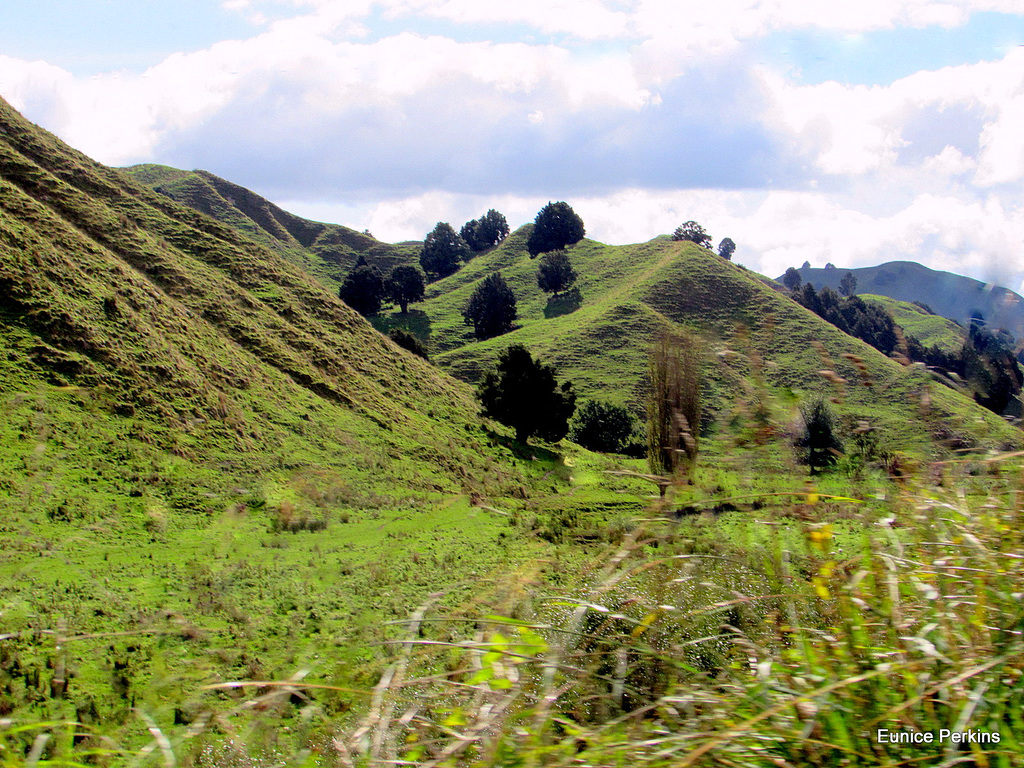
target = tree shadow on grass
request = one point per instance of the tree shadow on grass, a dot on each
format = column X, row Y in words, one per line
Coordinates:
column 524, row 452
column 415, row 321
column 565, row 304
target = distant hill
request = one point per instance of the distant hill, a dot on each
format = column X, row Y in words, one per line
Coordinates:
column 328, row 251
column 948, row 294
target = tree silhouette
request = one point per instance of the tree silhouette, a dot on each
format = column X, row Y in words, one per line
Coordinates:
column 491, row 309
column 524, row 394
column 485, row 232
column 791, row 279
column 443, row 251
column 556, row 226
column 694, row 232
column 405, row 285
column 726, row 248
column 555, row 272
column 363, row 288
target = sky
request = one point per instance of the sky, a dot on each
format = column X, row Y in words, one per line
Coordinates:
column 844, row 133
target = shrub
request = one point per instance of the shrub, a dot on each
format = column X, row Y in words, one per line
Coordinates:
column 600, row 426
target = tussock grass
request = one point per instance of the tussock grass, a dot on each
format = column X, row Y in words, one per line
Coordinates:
column 679, row 649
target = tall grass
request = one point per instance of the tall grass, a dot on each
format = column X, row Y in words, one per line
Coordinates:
column 677, row 647
column 680, row 653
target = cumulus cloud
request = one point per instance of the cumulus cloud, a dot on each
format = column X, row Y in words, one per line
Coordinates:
column 773, row 230
column 642, row 114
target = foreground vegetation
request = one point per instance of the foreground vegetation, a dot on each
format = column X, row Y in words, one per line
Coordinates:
column 784, row 636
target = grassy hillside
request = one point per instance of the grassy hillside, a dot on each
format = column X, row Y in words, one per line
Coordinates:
column 211, row 469
column 930, row 329
column 952, row 296
column 327, row 251
column 626, row 294
column 239, row 527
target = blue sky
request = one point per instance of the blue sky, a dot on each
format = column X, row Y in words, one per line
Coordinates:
column 843, row 133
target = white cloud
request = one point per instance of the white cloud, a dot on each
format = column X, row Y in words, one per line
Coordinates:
column 858, row 129
column 773, row 230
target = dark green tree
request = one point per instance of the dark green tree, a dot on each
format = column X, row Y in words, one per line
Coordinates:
column 405, row 285
column 406, row 340
column 819, row 441
column 555, row 272
column 485, row 232
column 694, row 232
column 491, row 309
column 600, row 426
column 848, row 285
column 363, row 288
column 726, row 248
column 524, row 394
column 791, row 279
column 443, row 251
column 555, row 227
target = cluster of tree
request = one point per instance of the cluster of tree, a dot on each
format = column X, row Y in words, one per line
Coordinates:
column 986, row 360
column 491, row 309
column 847, row 285
column 694, row 233
column 487, row 231
column 365, row 290
column 445, row 250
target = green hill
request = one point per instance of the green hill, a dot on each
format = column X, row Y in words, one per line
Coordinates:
column 949, row 295
column 222, row 493
column 599, row 335
column 210, row 468
column 628, row 294
column 328, row 251
column 928, row 328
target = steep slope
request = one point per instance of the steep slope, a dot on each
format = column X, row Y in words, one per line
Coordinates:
column 328, row 251
column 928, row 328
column 952, row 296
column 627, row 294
column 210, row 468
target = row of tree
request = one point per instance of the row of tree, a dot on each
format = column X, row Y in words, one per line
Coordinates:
column 445, row 250
column 695, row 233
column 985, row 362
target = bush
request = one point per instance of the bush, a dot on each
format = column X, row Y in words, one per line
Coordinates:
column 407, row 341
column 600, row 426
